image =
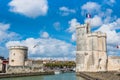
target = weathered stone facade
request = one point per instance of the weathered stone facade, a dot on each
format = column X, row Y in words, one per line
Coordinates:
column 19, row 63
column 114, row 63
column 91, row 50
column 17, row 55
column 1, row 66
column 30, row 66
column 36, row 65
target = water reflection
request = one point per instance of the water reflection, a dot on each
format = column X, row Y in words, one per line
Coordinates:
column 64, row 76
column 25, row 78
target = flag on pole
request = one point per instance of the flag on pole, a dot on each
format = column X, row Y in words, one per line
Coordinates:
column 88, row 15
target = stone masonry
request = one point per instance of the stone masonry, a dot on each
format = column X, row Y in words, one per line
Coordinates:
column 91, row 50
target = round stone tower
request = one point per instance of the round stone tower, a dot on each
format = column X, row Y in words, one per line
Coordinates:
column 17, row 55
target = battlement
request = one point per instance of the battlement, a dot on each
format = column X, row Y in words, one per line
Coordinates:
column 81, row 26
column 84, row 28
column 99, row 34
column 18, row 47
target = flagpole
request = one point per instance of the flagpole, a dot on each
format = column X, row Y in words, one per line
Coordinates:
column 88, row 16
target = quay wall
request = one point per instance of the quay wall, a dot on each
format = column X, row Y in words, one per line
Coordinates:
column 10, row 75
column 111, row 75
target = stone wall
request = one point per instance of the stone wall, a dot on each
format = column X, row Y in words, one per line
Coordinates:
column 113, row 63
column 1, row 66
column 17, row 55
column 30, row 66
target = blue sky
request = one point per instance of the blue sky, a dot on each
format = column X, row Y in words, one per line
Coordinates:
column 51, row 24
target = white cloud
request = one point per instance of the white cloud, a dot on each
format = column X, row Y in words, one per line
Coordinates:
column 95, row 21
column 112, row 36
column 91, row 7
column 66, row 11
column 29, row 8
column 74, row 36
column 44, row 35
column 5, row 34
column 107, row 16
column 57, row 26
column 110, row 29
column 72, row 28
column 99, row 14
column 50, row 47
column 72, row 25
column 110, row 2
column 96, row 9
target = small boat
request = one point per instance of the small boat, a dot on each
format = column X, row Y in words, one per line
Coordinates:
column 57, row 72
column 74, row 69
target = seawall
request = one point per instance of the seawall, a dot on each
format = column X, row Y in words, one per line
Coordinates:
column 100, row 75
column 9, row 75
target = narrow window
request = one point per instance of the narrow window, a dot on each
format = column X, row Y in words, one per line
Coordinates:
column 13, row 53
column 12, row 60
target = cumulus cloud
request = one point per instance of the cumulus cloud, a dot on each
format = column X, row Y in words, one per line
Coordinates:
column 29, row 8
column 110, row 2
column 50, row 47
column 44, row 35
column 96, row 21
column 90, row 7
column 99, row 14
column 66, row 11
column 5, row 34
column 74, row 36
column 72, row 28
column 113, row 37
column 72, row 25
column 110, row 29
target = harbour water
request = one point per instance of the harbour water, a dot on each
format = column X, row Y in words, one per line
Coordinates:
column 63, row 76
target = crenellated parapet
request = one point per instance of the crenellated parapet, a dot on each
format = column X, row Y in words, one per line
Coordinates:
column 18, row 47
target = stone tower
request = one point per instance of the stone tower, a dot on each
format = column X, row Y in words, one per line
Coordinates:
column 17, row 55
column 91, row 50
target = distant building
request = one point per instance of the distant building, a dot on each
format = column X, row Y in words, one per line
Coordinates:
column 1, row 57
column 91, row 50
column 3, row 64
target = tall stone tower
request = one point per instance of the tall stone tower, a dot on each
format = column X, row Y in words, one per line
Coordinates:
column 17, row 55
column 91, row 50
